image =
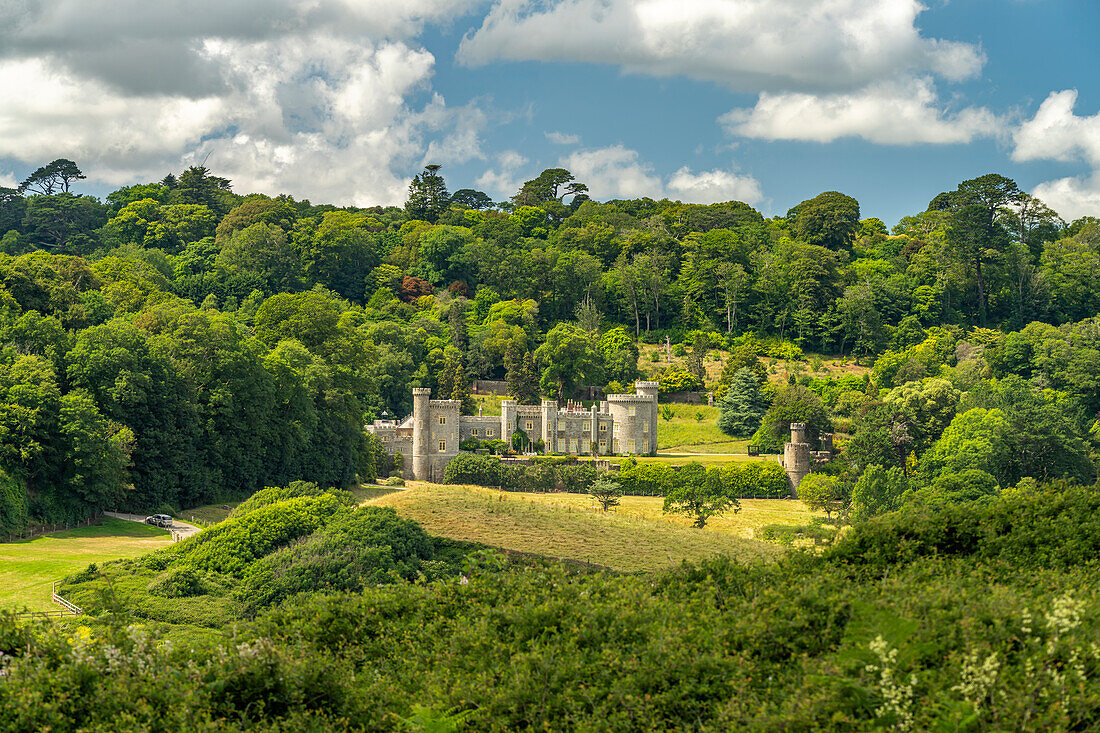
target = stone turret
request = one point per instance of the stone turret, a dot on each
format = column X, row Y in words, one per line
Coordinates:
column 797, row 458
column 549, row 424
column 421, row 431
column 507, row 420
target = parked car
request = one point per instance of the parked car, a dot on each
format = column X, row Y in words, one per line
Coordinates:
column 159, row 520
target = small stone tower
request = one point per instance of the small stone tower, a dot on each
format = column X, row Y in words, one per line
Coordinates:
column 549, row 425
column 421, row 432
column 797, row 459
column 508, row 422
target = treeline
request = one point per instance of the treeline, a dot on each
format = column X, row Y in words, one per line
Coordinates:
column 756, row 480
column 179, row 342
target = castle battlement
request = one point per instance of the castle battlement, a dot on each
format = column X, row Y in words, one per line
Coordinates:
column 622, row 424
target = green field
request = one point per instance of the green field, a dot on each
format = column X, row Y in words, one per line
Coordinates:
column 28, row 568
column 633, row 537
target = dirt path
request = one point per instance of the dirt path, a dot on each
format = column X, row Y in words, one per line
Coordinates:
column 179, row 530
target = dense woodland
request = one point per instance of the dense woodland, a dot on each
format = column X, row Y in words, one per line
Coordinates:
column 179, row 342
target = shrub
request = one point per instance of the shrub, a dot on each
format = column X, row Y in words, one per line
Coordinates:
column 274, row 494
column 178, row 583
column 679, row 380
column 470, row 468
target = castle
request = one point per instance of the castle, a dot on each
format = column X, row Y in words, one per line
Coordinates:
column 430, row 437
column 798, row 460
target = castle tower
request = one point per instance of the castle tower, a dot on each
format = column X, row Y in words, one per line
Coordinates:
column 549, row 424
column 421, row 432
column 635, row 418
column 507, row 420
column 441, row 437
column 797, row 459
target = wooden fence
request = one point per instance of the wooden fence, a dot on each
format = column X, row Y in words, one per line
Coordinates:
column 67, row 608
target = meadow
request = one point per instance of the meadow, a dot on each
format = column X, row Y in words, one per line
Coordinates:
column 636, row 536
column 28, row 568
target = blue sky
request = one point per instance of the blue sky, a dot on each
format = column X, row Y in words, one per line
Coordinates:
column 766, row 101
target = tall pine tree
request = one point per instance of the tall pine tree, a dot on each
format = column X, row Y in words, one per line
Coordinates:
column 743, row 407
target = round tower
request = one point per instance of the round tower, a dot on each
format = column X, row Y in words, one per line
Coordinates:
column 647, row 389
column 798, row 432
column 421, row 431
column 797, row 462
column 507, row 420
column 549, row 425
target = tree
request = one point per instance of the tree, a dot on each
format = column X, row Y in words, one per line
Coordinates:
column 262, row 250
column 830, row 219
column 55, row 177
column 196, row 186
column 792, row 404
column 877, row 491
column 822, row 493
column 976, row 230
column 472, row 199
column 523, row 383
column 428, row 196
column 699, row 494
column 607, row 492
column 743, row 407
column 63, row 221
column 553, row 184
column 568, row 358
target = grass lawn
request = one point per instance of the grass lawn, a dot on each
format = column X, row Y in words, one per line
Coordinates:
column 204, row 516
column 28, row 568
column 634, row 537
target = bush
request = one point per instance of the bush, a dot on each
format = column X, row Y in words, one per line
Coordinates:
column 394, row 481
column 178, row 583
column 362, row 548
column 274, row 494
column 470, row 468
column 679, row 380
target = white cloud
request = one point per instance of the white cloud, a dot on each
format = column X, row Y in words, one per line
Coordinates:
column 561, row 138
column 305, row 97
column 747, row 44
column 505, row 179
column 1057, row 133
column 613, row 172
column 892, row 113
column 619, row 172
column 709, row 187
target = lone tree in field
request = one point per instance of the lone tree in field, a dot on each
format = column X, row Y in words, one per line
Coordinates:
column 607, row 492
column 699, row 493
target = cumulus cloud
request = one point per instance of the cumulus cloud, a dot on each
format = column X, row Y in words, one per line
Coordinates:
column 619, row 172
column 503, row 180
column 709, row 187
column 749, row 45
column 892, row 113
column 311, row 98
column 1056, row 132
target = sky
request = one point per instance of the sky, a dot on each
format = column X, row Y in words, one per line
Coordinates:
column 769, row 102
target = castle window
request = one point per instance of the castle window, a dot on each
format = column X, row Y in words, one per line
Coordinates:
column 442, row 446
column 645, row 426
column 586, row 426
column 603, row 427
column 561, row 445
column 633, row 410
column 645, row 446
column 477, row 431
column 572, row 445
column 529, row 425
column 615, row 445
column 630, row 447
column 488, row 432
column 603, row 445
column 442, row 419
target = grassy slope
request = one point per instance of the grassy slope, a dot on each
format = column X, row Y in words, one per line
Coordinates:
column 27, row 568
column 634, row 537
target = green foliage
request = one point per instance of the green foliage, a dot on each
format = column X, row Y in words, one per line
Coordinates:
column 178, row 583
column 792, row 404
column 743, row 406
column 606, row 492
column 679, row 380
column 700, row 494
column 470, row 468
